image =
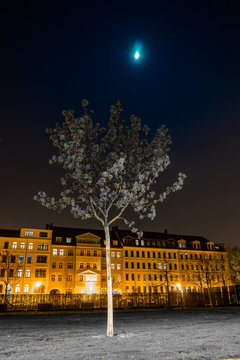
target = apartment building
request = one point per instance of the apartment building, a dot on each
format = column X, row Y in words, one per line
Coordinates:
column 67, row 260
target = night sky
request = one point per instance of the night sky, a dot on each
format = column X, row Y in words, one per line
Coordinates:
column 53, row 56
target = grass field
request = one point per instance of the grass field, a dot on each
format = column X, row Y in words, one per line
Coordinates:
column 145, row 335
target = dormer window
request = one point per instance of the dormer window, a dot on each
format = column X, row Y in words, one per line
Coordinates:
column 182, row 244
column 58, row 239
column 69, row 240
column 137, row 242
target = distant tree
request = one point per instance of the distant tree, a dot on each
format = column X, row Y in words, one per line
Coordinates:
column 108, row 171
column 9, row 270
column 206, row 275
column 234, row 264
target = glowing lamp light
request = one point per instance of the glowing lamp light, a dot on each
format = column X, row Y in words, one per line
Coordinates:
column 137, row 55
column 179, row 286
column 37, row 284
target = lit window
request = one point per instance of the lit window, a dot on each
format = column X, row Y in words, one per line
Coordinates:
column 81, row 266
column 28, row 273
column 69, row 240
column 20, row 273
column 20, row 259
column 137, row 242
column 54, row 251
column 165, row 266
column 29, row 259
column 17, row 289
column 91, row 277
column 112, row 266
column 58, row 239
column 61, row 252
column 14, row 246
column 26, row 288
column 94, row 265
column 30, row 246
column 112, row 254
column 119, row 279
column 118, row 266
column 28, row 233
column 42, row 246
column 118, row 254
column 142, row 242
column 160, row 266
column 88, row 265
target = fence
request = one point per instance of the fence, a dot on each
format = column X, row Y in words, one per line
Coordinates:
column 42, row 302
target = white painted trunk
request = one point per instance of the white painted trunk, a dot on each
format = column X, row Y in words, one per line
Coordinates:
column 109, row 283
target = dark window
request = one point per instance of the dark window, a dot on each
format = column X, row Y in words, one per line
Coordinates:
column 2, row 272
column 126, row 277
column 138, row 265
column 1, row 289
column 95, row 253
column 143, row 265
column 169, row 255
column 126, row 253
column 126, row 265
column 143, row 254
column 40, row 273
column 174, row 255
column 154, row 254
column 137, row 253
column 182, row 266
column 70, row 252
column 175, row 266
column 6, row 245
column 42, row 259
column 54, row 265
column 43, row 234
column 13, row 258
column 133, row 277
column 70, row 265
column 148, row 254
column 164, row 255
column 132, row 265
column 132, row 255
column 149, row 265
column 154, row 265
column 4, row 258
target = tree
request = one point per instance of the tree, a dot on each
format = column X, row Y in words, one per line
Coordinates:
column 206, row 275
column 234, row 264
column 108, row 171
column 9, row 271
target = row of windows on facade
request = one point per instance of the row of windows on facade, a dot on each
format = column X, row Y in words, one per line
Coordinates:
column 165, row 255
column 23, row 246
column 159, row 277
column 19, row 273
column 171, row 266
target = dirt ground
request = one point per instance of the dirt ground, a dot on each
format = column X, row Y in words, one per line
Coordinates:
column 145, row 335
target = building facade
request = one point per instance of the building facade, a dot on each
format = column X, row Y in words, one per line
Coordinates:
column 67, row 260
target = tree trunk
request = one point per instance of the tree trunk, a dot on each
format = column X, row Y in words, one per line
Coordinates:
column 109, row 284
